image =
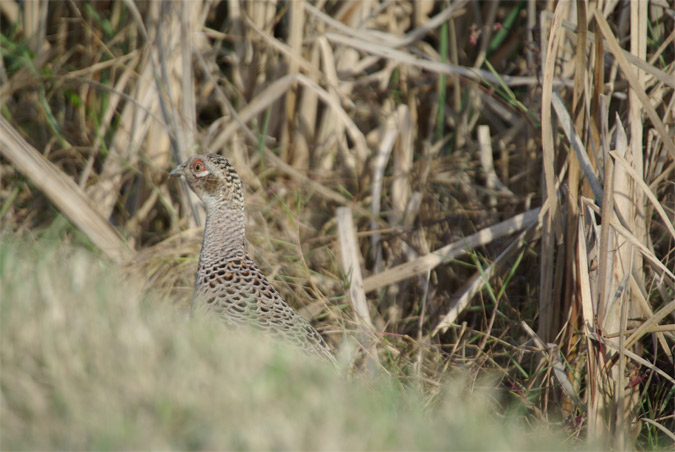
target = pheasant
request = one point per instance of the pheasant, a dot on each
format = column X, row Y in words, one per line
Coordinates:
column 228, row 283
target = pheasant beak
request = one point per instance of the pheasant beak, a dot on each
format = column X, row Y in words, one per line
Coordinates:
column 178, row 171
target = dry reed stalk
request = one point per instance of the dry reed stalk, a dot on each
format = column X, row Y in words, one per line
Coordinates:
column 115, row 99
column 582, row 158
column 11, row 10
column 478, row 281
column 403, row 159
column 593, row 38
column 627, row 70
column 621, row 353
column 297, row 121
column 351, row 266
column 552, row 227
column 127, row 141
column 492, row 183
column 555, row 359
column 595, row 399
column 647, row 254
column 171, row 63
column 608, row 303
column 389, row 135
column 579, row 163
column 330, row 132
column 63, row 192
column 451, row 251
column 273, row 92
column 390, row 53
column 629, row 207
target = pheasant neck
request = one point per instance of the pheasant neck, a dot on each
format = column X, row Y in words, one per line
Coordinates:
column 224, row 234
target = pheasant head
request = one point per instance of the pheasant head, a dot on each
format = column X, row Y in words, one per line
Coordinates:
column 214, row 180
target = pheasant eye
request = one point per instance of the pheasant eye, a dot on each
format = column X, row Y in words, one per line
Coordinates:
column 198, row 168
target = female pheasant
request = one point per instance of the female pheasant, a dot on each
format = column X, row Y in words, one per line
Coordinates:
column 228, row 283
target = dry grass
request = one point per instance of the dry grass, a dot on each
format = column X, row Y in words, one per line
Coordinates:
column 89, row 364
column 499, row 178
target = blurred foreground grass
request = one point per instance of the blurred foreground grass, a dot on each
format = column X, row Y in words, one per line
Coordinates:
column 88, row 362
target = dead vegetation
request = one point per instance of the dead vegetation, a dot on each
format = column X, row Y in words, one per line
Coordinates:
column 124, row 372
column 486, row 185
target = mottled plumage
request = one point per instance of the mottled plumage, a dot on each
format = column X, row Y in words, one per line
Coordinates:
column 228, row 283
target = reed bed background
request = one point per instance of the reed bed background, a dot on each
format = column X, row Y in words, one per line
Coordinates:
column 484, row 186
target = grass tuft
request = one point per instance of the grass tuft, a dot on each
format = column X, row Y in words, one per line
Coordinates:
column 88, row 363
